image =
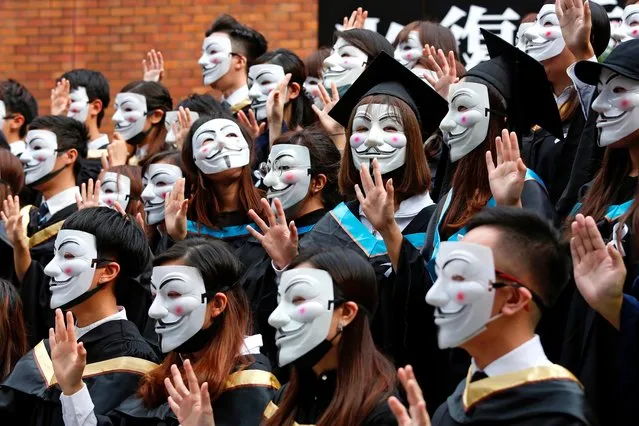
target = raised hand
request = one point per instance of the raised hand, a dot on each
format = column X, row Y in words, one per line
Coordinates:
column 278, row 239
column 89, row 195
column 67, row 355
column 377, row 201
column 598, row 269
column 175, row 208
column 118, row 150
column 445, row 67
column 182, row 127
column 356, row 20
column 332, row 127
column 254, row 128
column 153, row 66
column 13, row 222
column 417, row 406
column 275, row 108
column 576, row 26
column 60, row 97
column 508, row 178
column 192, row 405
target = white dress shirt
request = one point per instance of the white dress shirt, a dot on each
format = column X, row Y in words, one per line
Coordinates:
column 238, row 96
column 585, row 91
column 530, row 354
column 61, row 200
column 99, row 143
column 77, row 409
column 17, row 148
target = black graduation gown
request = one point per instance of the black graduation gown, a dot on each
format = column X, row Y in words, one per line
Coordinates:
column 90, row 167
column 545, row 395
column 591, row 347
column 42, row 237
column 247, row 394
column 315, row 394
column 6, row 254
column 261, row 288
column 533, row 197
column 117, row 357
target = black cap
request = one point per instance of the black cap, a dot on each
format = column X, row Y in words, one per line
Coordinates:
column 624, row 60
column 385, row 76
column 522, row 81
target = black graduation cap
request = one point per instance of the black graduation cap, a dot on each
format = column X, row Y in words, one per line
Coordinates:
column 385, row 76
column 522, row 81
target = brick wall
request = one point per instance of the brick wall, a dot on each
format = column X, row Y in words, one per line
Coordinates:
column 40, row 39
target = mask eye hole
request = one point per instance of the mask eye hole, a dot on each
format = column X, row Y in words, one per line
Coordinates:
column 462, row 108
column 68, row 256
column 298, row 300
column 361, row 129
column 173, row 294
column 390, row 129
column 458, row 278
column 231, row 135
column 619, row 90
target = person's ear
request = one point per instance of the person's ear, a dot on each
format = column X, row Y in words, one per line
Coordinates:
column 156, row 117
column 70, row 156
column 95, row 107
column 318, row 183
column 217, row 305
column 16, row 123
column 517, row 300
column 239, row 63
column 109, row 272
column 348, row 312
column 293, row 91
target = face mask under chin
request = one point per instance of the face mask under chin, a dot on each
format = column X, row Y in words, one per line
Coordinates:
column 47, row 178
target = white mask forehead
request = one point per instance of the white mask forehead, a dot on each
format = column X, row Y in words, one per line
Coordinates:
column 115, row 187
column 258, row 71
column 171, row 170
column 465, row 126
column 3, row 110
column 39, row 155
column 217, row 42
column 300, row 153
column 219, row 145
column 544, row 39
column 135, row 100
column 262, row 79
column 79, row 94
column 41, row 135
column 78, row 238
column 474, row 260
column 345, row 63
column 616, row 105
column 178, row 318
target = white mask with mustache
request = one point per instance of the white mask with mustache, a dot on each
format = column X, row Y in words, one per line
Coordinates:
column 179, row 305
column 466, row 125
column 616, row 105
column 216, row 57
column 311, row 87
column 410, row 51
column 115, row 187
column 462, row 292
column 38, row 158
column 158, row 183
column 345, row 63
column 72, row 267
column 262, row 79
column 304, row 312
column 629, row 26
column 289, row 174
column 79, row 108
column 378, row 132
column 219, row 145
column 130, row 114
column 544, row 40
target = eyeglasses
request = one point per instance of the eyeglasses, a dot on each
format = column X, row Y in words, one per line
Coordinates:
column 516, row 283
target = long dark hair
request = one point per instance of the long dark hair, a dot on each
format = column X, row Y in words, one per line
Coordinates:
column 365, row 377
column 413, row 177
column 205, row 207
column 314, row 63
column 302, row 114
column 157, row 98
column 470, row 179
column 11, row 174
column 13, row 333
column 219, row 267
column 325, row 160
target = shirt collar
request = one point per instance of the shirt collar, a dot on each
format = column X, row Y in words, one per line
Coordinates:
column 238, row 96
column 530, row 354
column 252, row 345
column 62, row 200
column 564, row 96
column 99, row 143
column 410, row 207
column 120, row 315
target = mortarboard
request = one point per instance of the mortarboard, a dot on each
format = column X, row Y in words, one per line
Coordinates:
column 385, row 76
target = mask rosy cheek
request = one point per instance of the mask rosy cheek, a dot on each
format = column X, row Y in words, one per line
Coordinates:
column 409, row 56
column 41, row 159
column 460, row 296
column 179, row 310
column 68, row 271
column 109, row 202
column 635, row 32
column 131, row 119
column 289, row 177
column 215, row 61
column 357, row 140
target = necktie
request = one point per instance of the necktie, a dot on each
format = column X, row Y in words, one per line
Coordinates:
column 478, row 375
column 43, row 212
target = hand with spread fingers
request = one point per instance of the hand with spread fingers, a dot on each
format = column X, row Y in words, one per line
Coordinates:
column 89, row 195
column 118, row 150
column 508, row 177
column 13, row 226
column 356, row 20
column 182, row 127
column 275, row 108
column 377, row 200
column 445, row 67
column 332, row 127
column 67, row 355
column 278, row 239
column 175, row 209
column 598, row 269
column 61, row 97
column 254, row 128
column 153, row 66
column 192, row 405
column 575, row 19
column 416, row 414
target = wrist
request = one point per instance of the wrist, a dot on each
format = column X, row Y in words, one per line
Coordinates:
column 72, row 389
column 389, row 230
column 584, row 53
column 509, row 203
column 611, row 311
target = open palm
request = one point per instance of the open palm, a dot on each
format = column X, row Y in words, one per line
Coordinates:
column 279, row 239
column 507, row 178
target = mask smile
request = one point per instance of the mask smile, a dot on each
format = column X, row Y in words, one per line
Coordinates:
column 272, row 193
column 281, row 336
column 54, row 283
column 333, row 72
column 374, row 151
column 604, row 120
column 165, row 327
column 152, row 206
column 442, row 316
column 450, row 136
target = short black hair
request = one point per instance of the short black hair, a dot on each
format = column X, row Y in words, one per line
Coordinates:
column 70, row 133
column 117, row 237
column 95, row 83
column 533, row 243
column 244, row 40
column 18, row 100
column 203, row 105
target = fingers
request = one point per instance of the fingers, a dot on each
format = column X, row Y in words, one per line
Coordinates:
column 399, row 411
column 559, row 10
column 499, row 149
column 259, row 237
column 252, row 118
column 359, row 195
column 52, row 341
column 365, row 177
column 441, row 56
column 190, row 377
column 334, row 92
column 576, row 257
column 294, row 234
column 594, row 234
column 60, row 329
column 82, row 353
column 514, row 147
column 205, row 398
column 617, row 258
column 323, row 94
column 577, row 239
column 281, row 217
column 242, row 117
column 452, row 65
column 270, row 216
column 490, row 165
column 104, row 161
column 138, row 218
column 258, row 221
column 173, row 393
column 390, row 191
column 505, row 138
column 587, row 12
column 70, row 327
column 78, row 201
column 118, row 208
column 178, row 382
column 377, row 173
column 174, row 406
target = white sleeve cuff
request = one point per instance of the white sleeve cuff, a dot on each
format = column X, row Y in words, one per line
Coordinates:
column 278, row 272
column 77, row 409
